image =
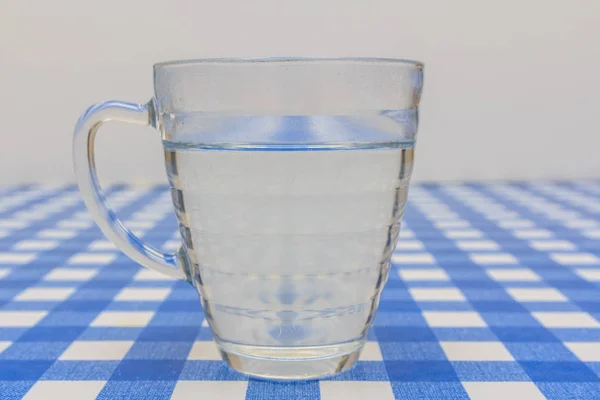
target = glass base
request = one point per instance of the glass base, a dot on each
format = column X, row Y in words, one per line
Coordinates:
column 285, row 363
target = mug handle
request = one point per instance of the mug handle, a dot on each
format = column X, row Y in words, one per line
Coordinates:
column 173, row 265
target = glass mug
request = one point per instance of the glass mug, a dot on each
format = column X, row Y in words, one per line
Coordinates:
column 289, row 178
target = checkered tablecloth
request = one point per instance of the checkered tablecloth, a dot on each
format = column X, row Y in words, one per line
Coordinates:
column 494, row 294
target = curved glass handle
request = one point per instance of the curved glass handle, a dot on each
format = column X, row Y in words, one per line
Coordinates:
column 172, row 265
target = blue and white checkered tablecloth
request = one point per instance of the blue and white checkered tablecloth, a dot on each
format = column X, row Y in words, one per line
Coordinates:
column 494, row 294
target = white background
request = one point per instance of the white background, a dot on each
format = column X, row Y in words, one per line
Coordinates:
column 512, row 87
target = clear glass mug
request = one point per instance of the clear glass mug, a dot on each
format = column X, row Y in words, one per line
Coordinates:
column 289, row 178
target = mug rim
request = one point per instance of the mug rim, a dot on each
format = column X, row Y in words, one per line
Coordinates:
column 286, row 60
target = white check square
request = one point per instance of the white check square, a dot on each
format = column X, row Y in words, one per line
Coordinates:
column 536, row 294
column 463, row 234
column 476, row 351
column 104, row 350
column 45, row 294
column 143, row 294
column 14, row 319
column 513, row 275
column 82, row 216
column 123, row 318
column 171, row 245
column 138, row 232
column 436, row 294
column 404, row 234
column 371, row 352
column 547, row 245
column 31, row 215
column 133, row 224
column 430, row 274
column 501, row 216
column 575, row 258
column 145, row 274
column 428, row 207
column 493, row 258
column 57, row 234
column 454, row 319
column 458, row 223
column 74, row 224
column 533, row 234
column 4, row 345
column 70, row 274
column 147, row 216
column 355, row 390
column 564, row 216
column 92, row 259
column 80, row 390
column 16, row 258
column 12, row 224
column 516, row 224
column 503, row 391
column 36, row 245
column 585, row 351
column 582, row 224
column 409, row 245
column 472, row 245
column 417, row 258
column 100, row 245
column 592, row 234
column 592, row 275
column 442, row 216
column 204, row 350
column 565, row 319
column 222, row 390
